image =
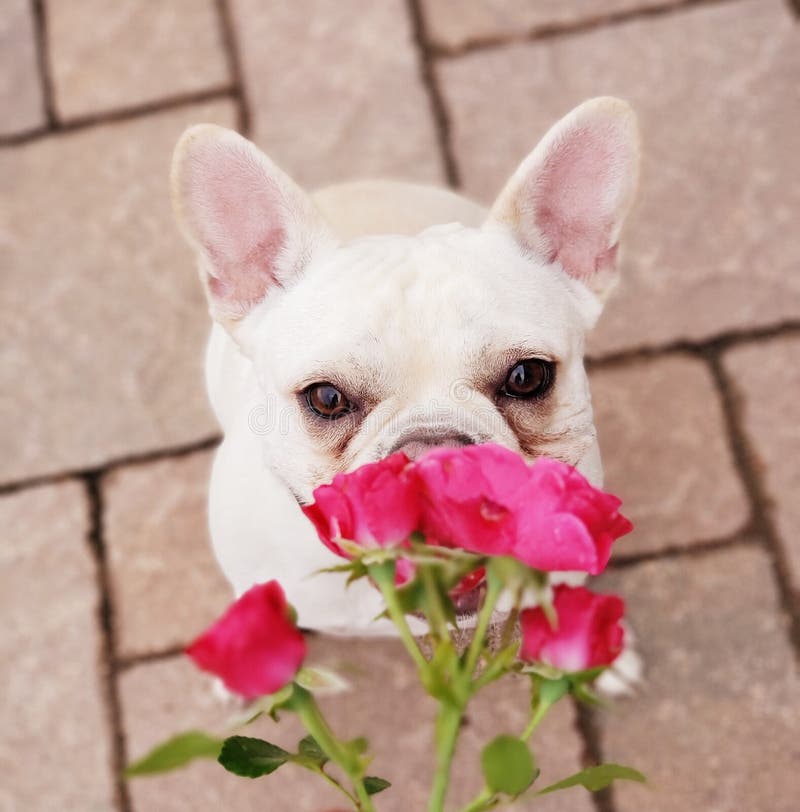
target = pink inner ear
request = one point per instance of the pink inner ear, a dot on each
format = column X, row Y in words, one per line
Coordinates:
column 239, row 218
column 574, row 197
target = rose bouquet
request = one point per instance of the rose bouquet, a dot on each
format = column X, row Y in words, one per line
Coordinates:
column 459, row 538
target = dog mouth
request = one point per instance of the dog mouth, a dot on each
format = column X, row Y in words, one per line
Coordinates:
column 468, row 595
column 468, row 603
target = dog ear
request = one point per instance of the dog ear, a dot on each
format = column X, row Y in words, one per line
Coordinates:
column 568, row 199
column 253, row 228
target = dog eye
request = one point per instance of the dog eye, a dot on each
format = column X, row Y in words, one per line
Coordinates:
column 528, row 379
column 327, row 401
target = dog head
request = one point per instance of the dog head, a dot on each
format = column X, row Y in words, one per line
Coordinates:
column 455, row 335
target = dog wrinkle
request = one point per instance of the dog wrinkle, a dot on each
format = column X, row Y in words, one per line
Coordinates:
column 567, row 445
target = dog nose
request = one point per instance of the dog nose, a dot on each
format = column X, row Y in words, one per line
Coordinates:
column 416, row 445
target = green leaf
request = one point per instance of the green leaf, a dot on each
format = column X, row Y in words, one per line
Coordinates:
column 373, row 785
column 508, row 765
column 176, row 752
column 251, row 758
column 311, row 751
column 596, row 778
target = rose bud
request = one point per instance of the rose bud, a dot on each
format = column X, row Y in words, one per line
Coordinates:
column 588, row 632
column 255, row 647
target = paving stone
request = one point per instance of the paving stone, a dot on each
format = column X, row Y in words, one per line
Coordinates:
column 489, row 20
column 385, row 704
column 336, row 91
column 766, row 378
column 54, row 722
column 105, row 321
column 666, row 453
column 167, row 585
column 715, row 727
column 21, row 103
column 713, row 242
column 105, row 57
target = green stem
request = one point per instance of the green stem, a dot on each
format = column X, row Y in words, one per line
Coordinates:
column 537, row 717
column 305, row 706
column 493, row 589
column 485, row 800
column 435, row 611
column 383, row 576
column 496, row 668
column 334, row 783
column 448, row 724
column 510, row 625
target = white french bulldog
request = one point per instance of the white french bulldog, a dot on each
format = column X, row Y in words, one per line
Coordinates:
column 378, row 316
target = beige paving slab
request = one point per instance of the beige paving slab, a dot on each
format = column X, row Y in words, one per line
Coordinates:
column 713, row 243
column 717, row 725
column 21, row 102
column 454, row 26
column 54, row 748
column 385, row 704
column 105, row 323
column 666, row 453
column 107, row 56
column 766, row 379
column 167, row 586
column 335, row 89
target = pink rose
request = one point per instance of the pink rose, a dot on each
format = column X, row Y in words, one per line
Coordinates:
column 487, row 500
column 255, row 647
column 563, row 522
column 374, row 506
column 588, row 635
column 469, row 496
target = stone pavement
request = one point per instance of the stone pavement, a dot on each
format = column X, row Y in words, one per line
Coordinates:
column 106, row 438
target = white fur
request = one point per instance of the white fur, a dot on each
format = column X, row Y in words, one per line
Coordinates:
column 413, row 316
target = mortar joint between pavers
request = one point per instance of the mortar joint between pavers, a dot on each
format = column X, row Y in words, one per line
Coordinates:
column 118, row 115
column 589, row 732
column 141, row 458
column 557, row 30
column 43, row 62
column 126, row 662
column 745, row 460
column 105, row 615
column 743, row 537
column 230, row 45
column 697, row 348
column 441, row 115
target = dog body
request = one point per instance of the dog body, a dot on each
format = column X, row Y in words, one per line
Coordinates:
column 335, row 344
